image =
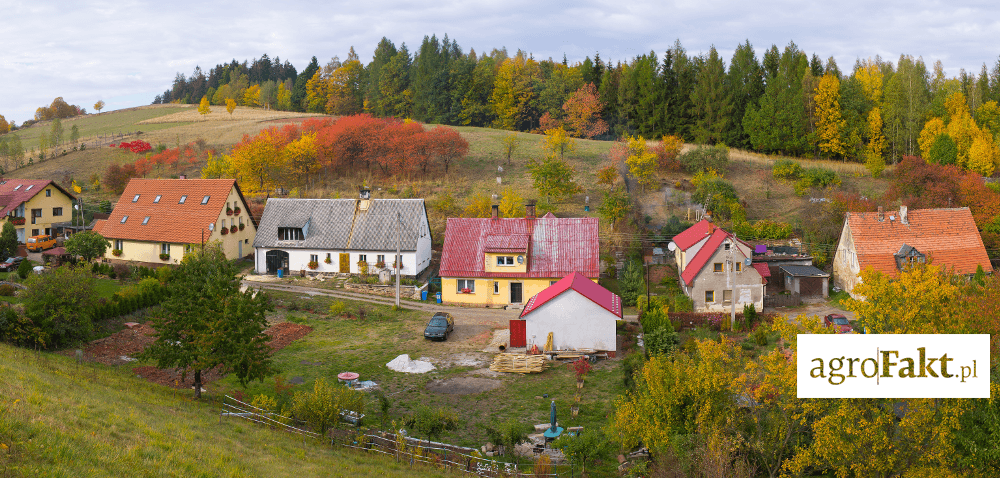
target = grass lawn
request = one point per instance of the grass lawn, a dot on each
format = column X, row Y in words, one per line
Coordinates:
column 61, row 419
column 337, row 345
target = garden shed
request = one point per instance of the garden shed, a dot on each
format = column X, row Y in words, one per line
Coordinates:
column 579, row 313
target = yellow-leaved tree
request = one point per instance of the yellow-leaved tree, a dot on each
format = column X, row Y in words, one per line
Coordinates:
column 830, row 124
column 217, row 167
column 641, row 162
column 511, row 203
column 203, row 107
column 557, row 143
column 914, row 303
column 251, row 96
column 258, row 161
column 932, row 128
column 300, row 159
column 479, row 206
column 983, row 154
column 230, row 106
column 874, row 161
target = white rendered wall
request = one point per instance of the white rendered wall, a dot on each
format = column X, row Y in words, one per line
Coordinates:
column 575, row 321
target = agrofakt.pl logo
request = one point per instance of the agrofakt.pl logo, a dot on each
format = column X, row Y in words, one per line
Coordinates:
column 893, row 366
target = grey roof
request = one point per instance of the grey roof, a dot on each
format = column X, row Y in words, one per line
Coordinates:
column 803, row 271
column 339, row 224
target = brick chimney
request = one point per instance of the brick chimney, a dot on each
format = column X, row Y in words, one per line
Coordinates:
column 529, row 209
column 494, row 212
column 881, row 214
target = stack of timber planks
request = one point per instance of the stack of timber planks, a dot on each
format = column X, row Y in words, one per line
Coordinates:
column 518, row 363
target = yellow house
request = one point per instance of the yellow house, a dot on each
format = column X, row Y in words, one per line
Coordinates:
column 157, row 220
column 35, row 206
column 505, row 261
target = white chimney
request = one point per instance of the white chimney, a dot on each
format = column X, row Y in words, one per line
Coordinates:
column 902, row 215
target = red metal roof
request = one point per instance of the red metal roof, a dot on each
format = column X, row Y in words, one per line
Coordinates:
column 693, row 234
column 507, row 243
column 707, row 251
column 586, row 287
column 14, row 192
column 762, row 269
column 556, row 246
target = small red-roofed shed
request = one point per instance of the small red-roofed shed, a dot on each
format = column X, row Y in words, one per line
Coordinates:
column 579, row 313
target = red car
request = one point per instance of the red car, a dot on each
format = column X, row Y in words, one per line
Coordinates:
column 839, row 321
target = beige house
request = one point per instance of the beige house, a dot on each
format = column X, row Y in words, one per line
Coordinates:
column 156, row 221
column 715, row 269
column 34, row 206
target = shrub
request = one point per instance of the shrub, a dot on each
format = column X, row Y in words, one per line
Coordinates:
column 123, row 271
column 759, row 336
column 816, row 178
column 23, row 269
column 786, row 169
column 705, row 157
column 321, row 407
column 7, row 290
column 337, row 308
column 718, row 196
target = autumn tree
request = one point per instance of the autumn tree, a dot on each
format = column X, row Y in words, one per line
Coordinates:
column 511, row 203
column 510, row 143
column 207, row 321
column 641, row 162
column 4, row 125
column 829, row 125
column 99, row 106
column 615, row 206
column 448, row 145
column 479, row 206
column 557, row 143
column 204, row 108
column 230, row 106
column 553, row 177
column 87, row 244
column 583, row 111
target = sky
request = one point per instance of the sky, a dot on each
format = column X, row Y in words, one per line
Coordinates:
column 125, row 52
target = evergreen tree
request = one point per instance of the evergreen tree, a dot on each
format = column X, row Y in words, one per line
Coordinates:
column 384, row 53
column 746, row 85
column 8, row 240
column 299, row 90
column 711, row 107
column 631, row 283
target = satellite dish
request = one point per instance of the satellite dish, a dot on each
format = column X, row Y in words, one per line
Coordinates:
column 520, row 259
column 747, row 262
column 211, row 227
column 672, row 246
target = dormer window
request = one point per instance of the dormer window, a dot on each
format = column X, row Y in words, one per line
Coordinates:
column 908, row 256
column 145, row 221
column 183, row 198
column 156, row 200
column 204, row 200
column 124, row 218
column 505, row 260
column 290, row 234
column 135, row 198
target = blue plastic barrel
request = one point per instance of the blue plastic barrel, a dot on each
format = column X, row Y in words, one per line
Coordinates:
column 280, row 273
column 437, row 295
column 423, row 295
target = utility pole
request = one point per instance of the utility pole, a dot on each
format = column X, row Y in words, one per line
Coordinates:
column 397, row 261
column 732, row 290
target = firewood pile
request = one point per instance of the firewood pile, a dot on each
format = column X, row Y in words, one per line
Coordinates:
column 518, row 363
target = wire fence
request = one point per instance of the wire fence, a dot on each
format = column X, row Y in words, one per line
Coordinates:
column 402, row 448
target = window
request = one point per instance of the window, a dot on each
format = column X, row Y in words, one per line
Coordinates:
column 124, row 218
column 188, row 248
column 496, row 287
column 739, row 266
column 552, row 282
column 157, row 199
column 136, row 197
column 29, row 187
column 314, row 258
column 119, row 244
column 505, row 260
column 328, row 258
column 727, row 297
column 728, row 246
column 183, row 198
column 380, row 258
column 717, row 267
column 204, row 200
column 246, row 241
column 362, row 257
column 57, row 211
column 34, row 232
column 288, row 233
column 48, row 193
column 232, row 222
column 145, row 221
column 709, row 296
column 18, row 187
column 165, row 248
column 466, row 284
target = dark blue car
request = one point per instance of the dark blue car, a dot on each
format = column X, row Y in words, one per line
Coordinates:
column 439, row 326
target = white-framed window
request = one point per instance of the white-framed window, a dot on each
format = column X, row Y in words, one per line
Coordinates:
column 119, row 244
column 505, row 260
column 380, row 258
column 709, row 296
column 314, row 258
column 362, row 257
column 165, row 248
column 466, row 284
column 189, row 248
column 286, row 233
column 496, row 287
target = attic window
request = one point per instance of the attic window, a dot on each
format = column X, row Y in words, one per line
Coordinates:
column 183, row 198
column 204, row 200
column 136, row 198
column 18, row 187
column 146, row 220
column 124, row 218
column 728, row 245
column 157, row 199
column 290, row 234
column 29, row 187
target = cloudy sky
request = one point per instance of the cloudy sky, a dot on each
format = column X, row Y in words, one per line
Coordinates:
column 125, row 52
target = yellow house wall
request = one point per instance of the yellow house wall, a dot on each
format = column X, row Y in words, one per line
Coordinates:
column 40, row 201
column 491, row 264
column 144, row 251
column 484, row 295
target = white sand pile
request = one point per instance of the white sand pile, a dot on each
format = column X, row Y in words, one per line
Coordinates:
column 405, row 365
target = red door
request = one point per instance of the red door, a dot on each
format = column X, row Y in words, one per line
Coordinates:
column 517, row 334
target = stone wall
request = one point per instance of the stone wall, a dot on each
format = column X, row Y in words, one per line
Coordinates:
column 387, row 290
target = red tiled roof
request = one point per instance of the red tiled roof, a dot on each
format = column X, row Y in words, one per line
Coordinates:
column 586, row 287
column 556, row 246
column 14, row 192
column 762, row 269
column 693, row 234
column 948, row 237
column 169, row 221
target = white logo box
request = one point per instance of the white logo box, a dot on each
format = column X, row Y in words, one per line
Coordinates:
column 917, row 366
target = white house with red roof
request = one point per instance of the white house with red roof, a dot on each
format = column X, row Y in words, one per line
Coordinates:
column 502, row 261
column 715, row 269
column 579, row 313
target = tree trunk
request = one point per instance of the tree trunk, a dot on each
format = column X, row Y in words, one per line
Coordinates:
column 197, row 384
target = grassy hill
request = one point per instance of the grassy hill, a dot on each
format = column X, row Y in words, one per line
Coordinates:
column 58, row 418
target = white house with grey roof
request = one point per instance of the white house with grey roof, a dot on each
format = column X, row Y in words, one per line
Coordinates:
column 339, row 234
